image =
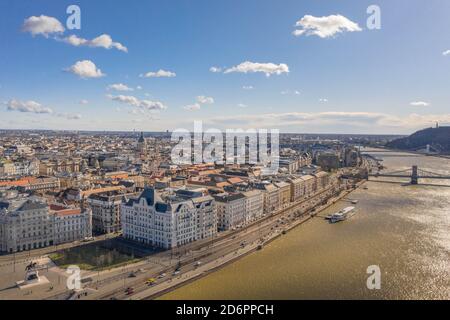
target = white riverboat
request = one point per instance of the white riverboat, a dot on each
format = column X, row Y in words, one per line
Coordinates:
column 341, row 215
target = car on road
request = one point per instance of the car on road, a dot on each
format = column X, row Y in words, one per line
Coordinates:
column 198, row 263
column 129, row 290
column 150, row 281
column 176, row 272
column 162, row 275
column 132, row 275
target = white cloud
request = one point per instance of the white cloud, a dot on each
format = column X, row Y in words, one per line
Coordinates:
column 205, row 100
column 136, row 111
column 241, row 105
column 83, row 101
column 446, row 53
column 296, row 92
column 102, row 41
column 215, row 69
column 298, row 33
column 247, row 87
column 43, row 25
column 138, row 88
column 192, row 107
column 419, row 104
column 159, row 74
column 364, row 120
column 323, row 100
column 266, row 68
column 27, row 106
column 135, row 102
column 325, row 27
column 119, row 87
column 86, row 69
column 69, row 116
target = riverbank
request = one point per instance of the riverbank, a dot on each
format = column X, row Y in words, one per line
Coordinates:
column 213, row 266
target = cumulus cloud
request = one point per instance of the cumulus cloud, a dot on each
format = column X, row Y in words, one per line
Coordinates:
column 215, row 69
column 192, row 107
column 27, row 106
column 323, row 100
column 159, row 74
column 102, row 41
column 241, row 105
column 119, row 87
column 325, row 27
column 205, row 100
column 266, row 68
column 200, row 100
column 419, row 104
column 86, row 69
column 42, row 25
column 446, row 53
column 83, row 101
column 135, row 102
column 247, row 87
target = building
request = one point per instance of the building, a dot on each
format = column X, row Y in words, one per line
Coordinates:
column 230, row 210
column 169, row 220
column 328, row 161
column 254, row 205
column 141, row 144
column 30, row 222
column 41, row 184
column 297, row 189
column 106, row 211
column 70, row 224
column 49, row 167
column 310, row 185
column 271, row 197
column 285, row 193
column 323, row 179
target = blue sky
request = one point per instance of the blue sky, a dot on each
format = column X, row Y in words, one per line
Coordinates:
column 392, row 80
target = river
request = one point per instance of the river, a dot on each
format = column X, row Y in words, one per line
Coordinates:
column 403, row 229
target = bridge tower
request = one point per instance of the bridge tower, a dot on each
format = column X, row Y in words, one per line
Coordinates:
column 414, row 175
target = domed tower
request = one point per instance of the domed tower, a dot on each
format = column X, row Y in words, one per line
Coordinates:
column 141, row 145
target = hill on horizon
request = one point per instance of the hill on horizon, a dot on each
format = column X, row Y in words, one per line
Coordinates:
column 438, row 138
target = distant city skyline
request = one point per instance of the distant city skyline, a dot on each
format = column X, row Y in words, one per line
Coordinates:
column 297, row 66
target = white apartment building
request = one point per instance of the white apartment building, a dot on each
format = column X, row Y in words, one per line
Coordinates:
column 230, row 210
column 29, row 223
column 71, row 224
column 254, row 205
column 168, row 223
column 106, row 211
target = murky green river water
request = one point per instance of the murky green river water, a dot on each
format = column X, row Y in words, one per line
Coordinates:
column 405, row 230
